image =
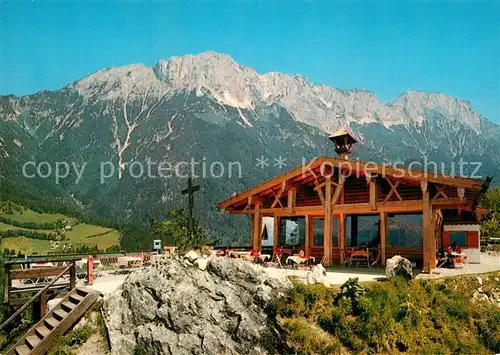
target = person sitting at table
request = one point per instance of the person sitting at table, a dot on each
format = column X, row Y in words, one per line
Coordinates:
column 445, row 260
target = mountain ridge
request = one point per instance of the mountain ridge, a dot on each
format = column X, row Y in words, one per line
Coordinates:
column 196, row 107
column 181, row 73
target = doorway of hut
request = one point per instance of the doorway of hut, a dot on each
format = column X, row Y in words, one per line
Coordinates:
column 363, row 240
column 300, row 233
column 291, row 236
column 316, row 242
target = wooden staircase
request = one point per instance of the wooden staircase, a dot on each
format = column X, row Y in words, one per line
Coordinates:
column 40, row 337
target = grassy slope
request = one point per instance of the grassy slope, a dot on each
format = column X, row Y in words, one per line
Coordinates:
column 79, row 234
column 427, row 317
column 32, row 216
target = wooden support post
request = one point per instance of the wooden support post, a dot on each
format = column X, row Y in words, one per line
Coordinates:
column 252, row 224
column 342, row 236
column 43, row 304
column 327, row 226
column 256, row 221
column 292, row 194
column 383, row 236
column 428, row 238
column 72, row 275
column 276, row 231
column 373, row 193
column 434, row 239
column 307, row 250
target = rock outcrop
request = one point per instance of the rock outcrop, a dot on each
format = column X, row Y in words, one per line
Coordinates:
column 397, row 265
column 489, row 292
column 317, row 275
column 176, row 307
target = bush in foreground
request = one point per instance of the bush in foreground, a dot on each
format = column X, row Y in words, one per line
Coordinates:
column 396, row 316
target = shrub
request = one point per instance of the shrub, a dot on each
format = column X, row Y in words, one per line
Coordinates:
column 352, row 291
column 394, row 316
column 175, row 229
column 306, row 337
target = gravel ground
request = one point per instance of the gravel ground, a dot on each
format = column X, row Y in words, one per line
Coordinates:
column 489, row 263
column 108, row 283
column 334, row 276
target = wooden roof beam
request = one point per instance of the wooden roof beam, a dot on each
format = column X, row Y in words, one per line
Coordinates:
column 362, row 168
column 461, row 193
column 351, row 208
column 394, row 190
column 338, row 189
column 440, row 192
column 319, row 187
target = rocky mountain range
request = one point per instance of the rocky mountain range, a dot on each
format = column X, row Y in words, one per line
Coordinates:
column 209, row 109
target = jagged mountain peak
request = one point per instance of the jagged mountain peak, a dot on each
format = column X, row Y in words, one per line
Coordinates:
column 116, row 82
column 204, row 68
column 211, row 58
column 452, row 108
column 235, row 85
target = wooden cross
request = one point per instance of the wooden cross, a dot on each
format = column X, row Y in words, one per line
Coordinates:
column 190, row 191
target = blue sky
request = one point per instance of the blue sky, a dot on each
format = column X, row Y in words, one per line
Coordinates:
column 388, row 48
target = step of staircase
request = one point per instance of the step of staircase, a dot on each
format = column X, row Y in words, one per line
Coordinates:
column 39, row 339
column 32, row 341
column 42, row 331
column 22, row 350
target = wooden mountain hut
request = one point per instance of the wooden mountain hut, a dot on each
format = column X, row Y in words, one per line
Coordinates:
column 331, row 204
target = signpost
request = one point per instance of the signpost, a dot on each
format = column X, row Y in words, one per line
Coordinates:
column 157, row 245
column 190, row 192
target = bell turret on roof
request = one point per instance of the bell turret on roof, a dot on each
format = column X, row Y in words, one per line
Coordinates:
column 343, row 141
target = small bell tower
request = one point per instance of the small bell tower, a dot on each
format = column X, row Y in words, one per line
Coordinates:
column 343, row 142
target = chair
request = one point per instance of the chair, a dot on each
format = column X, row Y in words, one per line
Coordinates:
column 442, row 258
column 275, row 259
column 359, row 256
column 345, row 255
column 376, row 260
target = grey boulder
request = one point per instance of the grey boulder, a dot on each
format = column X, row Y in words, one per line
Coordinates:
column 175, row 308
column 397, row 265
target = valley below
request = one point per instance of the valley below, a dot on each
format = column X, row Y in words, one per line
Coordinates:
column 26, row 232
